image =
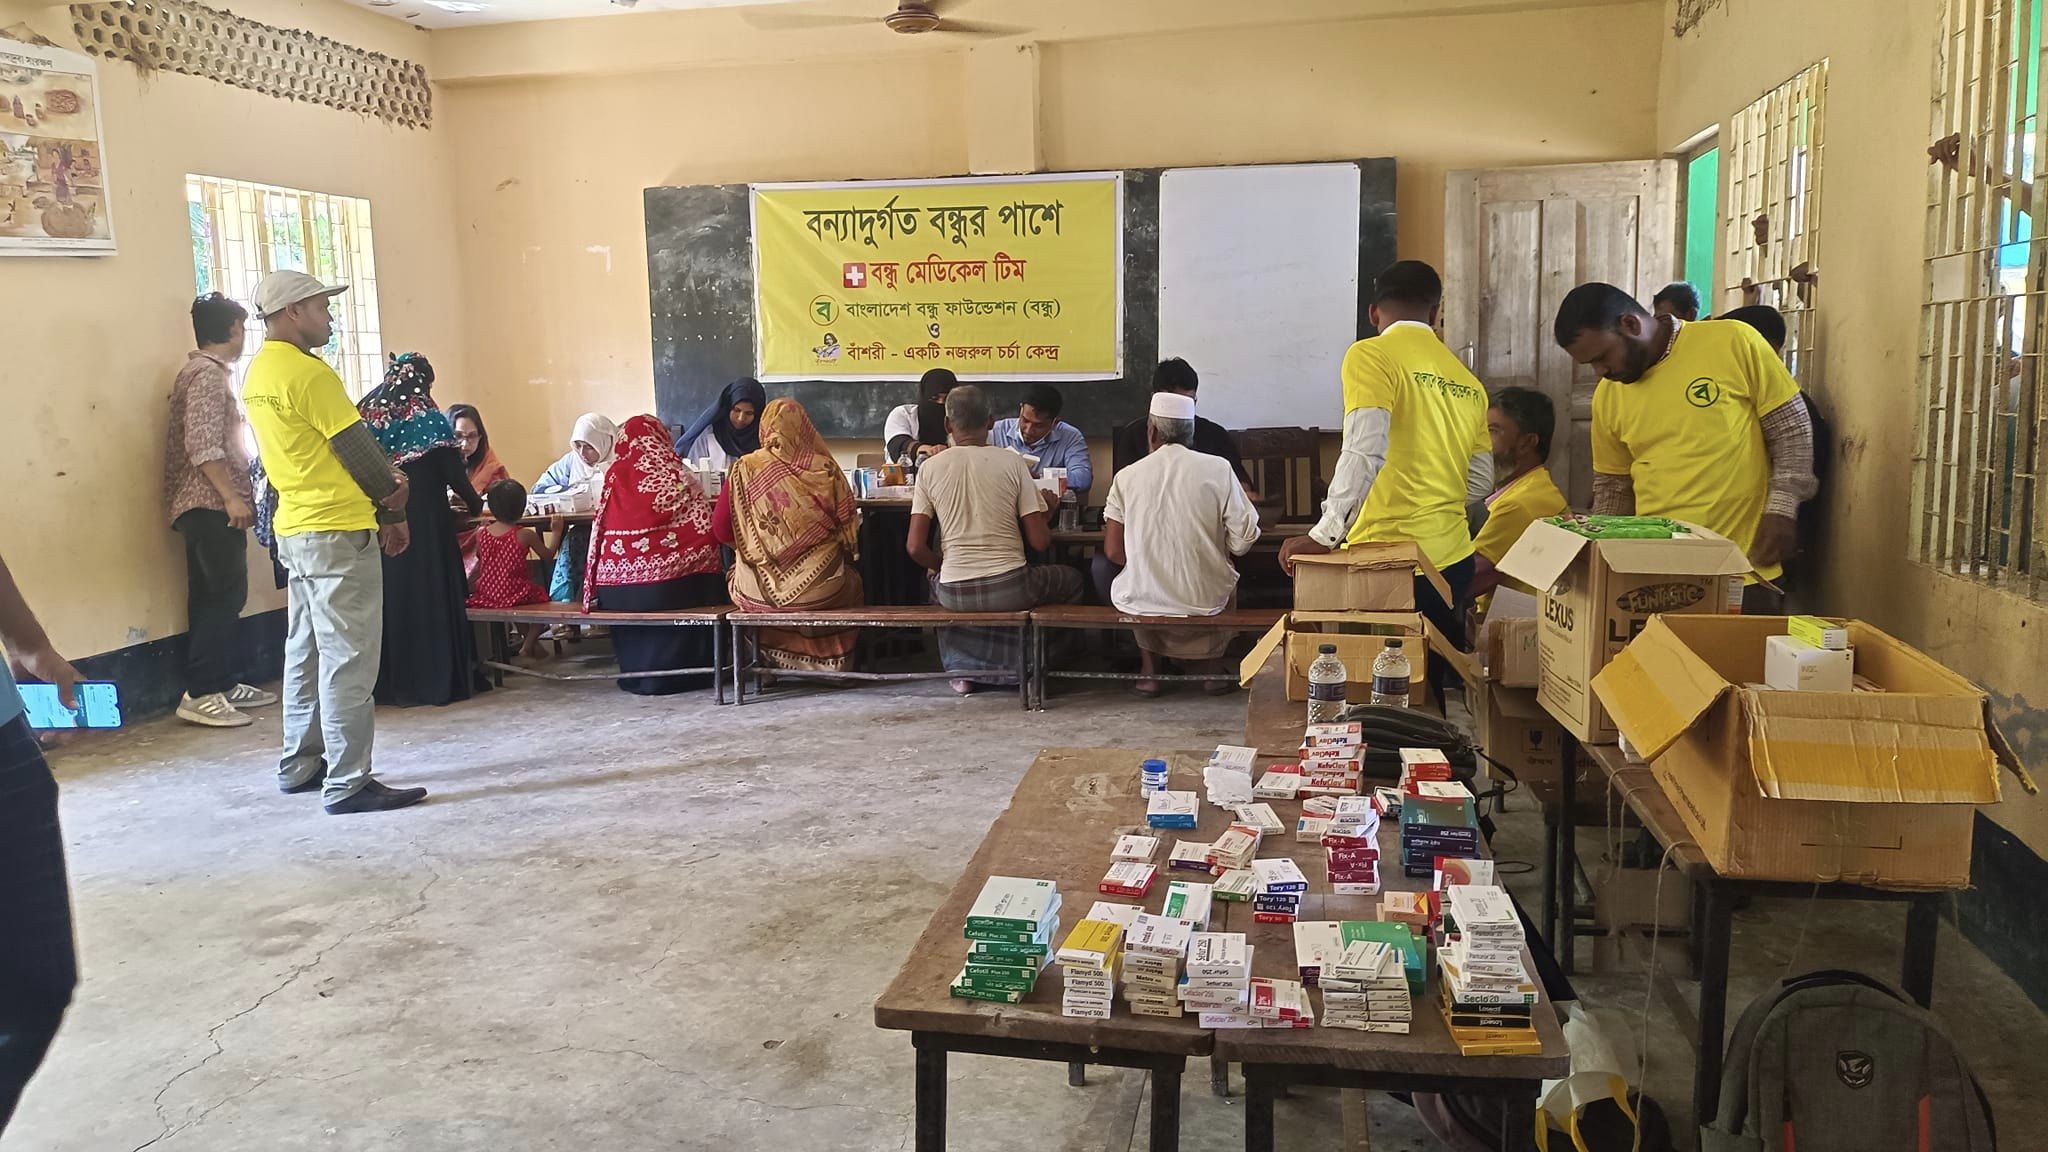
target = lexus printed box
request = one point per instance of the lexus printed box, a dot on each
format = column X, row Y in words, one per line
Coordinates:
column 1596, row 595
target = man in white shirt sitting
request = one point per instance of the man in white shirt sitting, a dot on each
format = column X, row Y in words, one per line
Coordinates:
column 1172, row 523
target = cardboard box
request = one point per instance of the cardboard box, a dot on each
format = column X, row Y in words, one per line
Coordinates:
column 1364, row 578
column 1358, row 636
column 1875, row 788
column 1596, row 596
column 1510, row 646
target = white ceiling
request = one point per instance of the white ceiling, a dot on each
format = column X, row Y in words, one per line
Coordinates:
column 428, row 15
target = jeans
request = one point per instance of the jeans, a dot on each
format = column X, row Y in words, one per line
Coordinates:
column 331, row 649
column 38, row 965
column 216, row 587
column 1445, row 617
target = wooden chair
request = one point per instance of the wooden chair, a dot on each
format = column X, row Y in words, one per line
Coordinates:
column 1286, row 468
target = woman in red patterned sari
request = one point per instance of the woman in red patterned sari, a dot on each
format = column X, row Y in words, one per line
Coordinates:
column 789, row 515
column 651, row 551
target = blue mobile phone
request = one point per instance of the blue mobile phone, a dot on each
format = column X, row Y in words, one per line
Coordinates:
column 99, row 705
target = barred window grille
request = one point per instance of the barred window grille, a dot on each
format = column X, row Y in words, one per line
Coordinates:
column 1772, row 211
column 1978, row 448
column 243, row 231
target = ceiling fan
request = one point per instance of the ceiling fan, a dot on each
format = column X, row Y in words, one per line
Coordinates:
column 910, row 17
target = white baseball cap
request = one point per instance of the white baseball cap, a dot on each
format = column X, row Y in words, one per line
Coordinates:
column 282, row 289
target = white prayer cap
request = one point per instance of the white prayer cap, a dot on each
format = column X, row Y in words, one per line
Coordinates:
column 1173, row 406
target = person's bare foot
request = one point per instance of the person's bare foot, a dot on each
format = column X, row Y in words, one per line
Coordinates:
column 1149, row 689
column 962, row 687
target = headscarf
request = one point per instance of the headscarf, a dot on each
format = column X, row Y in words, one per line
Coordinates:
column 791, row 501
column 737, row 442
column 653, row 521
column 599, row 432
column 931, row 422
column 485, row 469
column 402, row 412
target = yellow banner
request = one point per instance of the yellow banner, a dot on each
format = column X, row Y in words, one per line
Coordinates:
column 1010, row 278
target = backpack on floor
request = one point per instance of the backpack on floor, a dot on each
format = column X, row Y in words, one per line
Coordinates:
column 1836, row 1061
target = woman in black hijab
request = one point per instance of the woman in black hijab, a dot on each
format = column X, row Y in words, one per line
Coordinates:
column 729, row 429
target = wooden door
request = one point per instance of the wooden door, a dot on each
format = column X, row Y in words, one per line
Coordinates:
column 1515, row 241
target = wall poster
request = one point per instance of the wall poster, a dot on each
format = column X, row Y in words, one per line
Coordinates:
column 53, row 197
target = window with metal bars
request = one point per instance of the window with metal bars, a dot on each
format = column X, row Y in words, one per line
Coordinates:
column 1771, row 219
column 243, row 231
column 1976, row 511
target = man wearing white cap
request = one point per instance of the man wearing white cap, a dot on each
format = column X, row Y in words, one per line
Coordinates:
column 1171, row 525
column 339, row 498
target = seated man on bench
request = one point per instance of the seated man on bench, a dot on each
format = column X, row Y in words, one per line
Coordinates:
column 986, row 506
column 1172, row 523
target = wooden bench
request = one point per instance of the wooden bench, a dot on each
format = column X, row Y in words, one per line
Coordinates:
column 879, row 616
column 499, row 660
column 1092, row 616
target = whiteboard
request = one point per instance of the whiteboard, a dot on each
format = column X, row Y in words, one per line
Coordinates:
column 1258, row 288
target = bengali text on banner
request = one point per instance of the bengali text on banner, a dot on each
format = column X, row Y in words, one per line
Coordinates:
column 1009, row 278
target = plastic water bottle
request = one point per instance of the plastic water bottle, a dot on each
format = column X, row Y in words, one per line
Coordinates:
column 1390, row 676
column 1326, row 680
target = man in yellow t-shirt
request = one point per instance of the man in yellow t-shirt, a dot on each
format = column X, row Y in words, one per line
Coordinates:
column 1520, row 424
column 338, row 499
column 1694, row 421
column 1415, row 448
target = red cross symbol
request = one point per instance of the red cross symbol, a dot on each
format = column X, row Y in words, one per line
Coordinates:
column 855, row 276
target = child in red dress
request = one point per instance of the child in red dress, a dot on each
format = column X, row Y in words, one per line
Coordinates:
column 501, row 579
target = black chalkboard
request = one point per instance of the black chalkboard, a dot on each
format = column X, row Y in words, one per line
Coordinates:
column 700, row 278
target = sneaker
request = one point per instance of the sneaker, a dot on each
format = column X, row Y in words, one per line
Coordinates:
column 375, row 797
column 249, row 696
column 212, row 711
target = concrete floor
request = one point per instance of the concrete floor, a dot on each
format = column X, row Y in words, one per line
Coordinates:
column 653, row 924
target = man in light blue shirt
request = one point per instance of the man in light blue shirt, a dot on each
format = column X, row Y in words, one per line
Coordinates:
column 1037, row 430
column 38, row 965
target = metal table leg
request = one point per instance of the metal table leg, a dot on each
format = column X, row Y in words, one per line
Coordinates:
column 1166, row 1108
column 1077, row 1075
column 1923, row 928
column 739, row 665
column 1551, row 849
column 718, row 660
column 1038, row 667
column 1568, row 856
column 1714, row 929
column 1258, row 1110
column 1219, row 1076
column 931, row 1096
column 1024, row 636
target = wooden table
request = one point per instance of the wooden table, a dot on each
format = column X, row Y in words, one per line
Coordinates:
column 1425, row 1059
column 1061, row 824
column 1714, row 900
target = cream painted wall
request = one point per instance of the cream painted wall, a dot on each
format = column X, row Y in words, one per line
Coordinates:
column 548, row 177
column 93, row 343
column 549, row 171
column 1436, row 93
column 1873, row 204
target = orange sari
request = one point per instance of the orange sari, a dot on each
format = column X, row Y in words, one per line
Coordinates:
column 795, row 538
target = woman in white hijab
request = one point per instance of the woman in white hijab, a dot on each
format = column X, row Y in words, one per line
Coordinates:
column 591, row 446
column 582, row 469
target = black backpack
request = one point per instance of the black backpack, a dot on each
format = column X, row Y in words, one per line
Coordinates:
column 1836, row 1061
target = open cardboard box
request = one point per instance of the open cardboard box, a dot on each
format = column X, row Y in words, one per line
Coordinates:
column 1597, row 595
column 1875, row 788
column 1364, row 578
column 1358, row 637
